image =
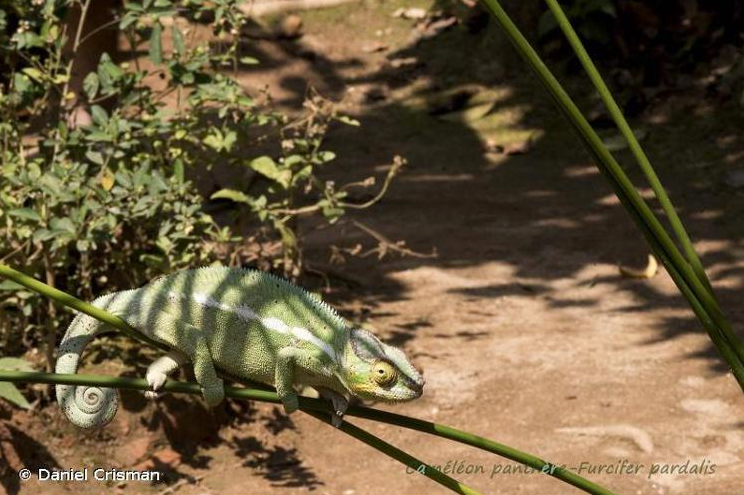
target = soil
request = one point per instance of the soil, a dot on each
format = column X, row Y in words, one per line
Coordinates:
column 524, row 327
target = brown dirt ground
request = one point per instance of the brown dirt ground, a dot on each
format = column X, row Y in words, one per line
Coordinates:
column 526, row 332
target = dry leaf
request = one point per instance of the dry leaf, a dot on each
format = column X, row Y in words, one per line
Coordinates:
column 652, row 268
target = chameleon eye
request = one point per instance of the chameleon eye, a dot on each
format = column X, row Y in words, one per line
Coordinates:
column 383, row 373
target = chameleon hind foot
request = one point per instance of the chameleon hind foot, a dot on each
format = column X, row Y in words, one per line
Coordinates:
column 160, row 369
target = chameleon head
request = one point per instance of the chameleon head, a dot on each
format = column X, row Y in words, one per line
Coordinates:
column 376, row 371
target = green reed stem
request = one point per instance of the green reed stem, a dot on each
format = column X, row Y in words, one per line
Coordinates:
column 310, row 406
column 633, row 144
column 661, row 243
column 322, row 410
column 306, row 404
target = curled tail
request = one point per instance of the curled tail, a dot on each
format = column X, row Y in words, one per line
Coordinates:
column 84, row 406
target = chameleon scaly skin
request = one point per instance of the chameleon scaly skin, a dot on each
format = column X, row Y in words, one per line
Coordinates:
column 249, row 324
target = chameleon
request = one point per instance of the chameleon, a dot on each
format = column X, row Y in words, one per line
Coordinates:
column 248, row 324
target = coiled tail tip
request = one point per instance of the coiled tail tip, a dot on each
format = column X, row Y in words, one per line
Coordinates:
column 88, row 407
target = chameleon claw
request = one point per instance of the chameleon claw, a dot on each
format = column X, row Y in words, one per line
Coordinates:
column 152, row 395
column 337, row 418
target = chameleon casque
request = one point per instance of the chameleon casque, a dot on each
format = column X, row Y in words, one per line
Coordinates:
column 248, row 324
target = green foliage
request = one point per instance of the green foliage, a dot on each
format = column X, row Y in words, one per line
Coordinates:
column 94, row 193
column 293, row 187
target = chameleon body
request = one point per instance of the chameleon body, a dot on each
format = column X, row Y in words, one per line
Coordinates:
column 248, row 324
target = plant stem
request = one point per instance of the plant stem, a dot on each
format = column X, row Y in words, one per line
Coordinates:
column 270, row 396
column 651, row 176
column 633, row 144
column 310, row 406
column 66, row 87
column 322, row 410
column 655, row 233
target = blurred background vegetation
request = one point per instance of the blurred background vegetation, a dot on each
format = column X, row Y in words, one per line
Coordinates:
column 644, row 47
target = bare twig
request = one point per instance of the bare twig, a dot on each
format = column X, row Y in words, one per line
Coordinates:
column 385, row 245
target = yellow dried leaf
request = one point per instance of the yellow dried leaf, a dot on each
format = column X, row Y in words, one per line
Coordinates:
column 107, row 180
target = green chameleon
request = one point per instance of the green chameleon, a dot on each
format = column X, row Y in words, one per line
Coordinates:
column 248, row 324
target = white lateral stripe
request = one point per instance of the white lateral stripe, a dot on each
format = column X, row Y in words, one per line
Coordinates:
column 307, row 336
column 274, row 324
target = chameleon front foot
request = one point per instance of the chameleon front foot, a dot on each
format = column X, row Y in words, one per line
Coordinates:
column 290, row 402
column 214, row 393
column 339, row 403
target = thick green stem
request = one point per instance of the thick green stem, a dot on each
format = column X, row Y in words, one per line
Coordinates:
column 305, row 403
column 322, row 410
column 659, row 239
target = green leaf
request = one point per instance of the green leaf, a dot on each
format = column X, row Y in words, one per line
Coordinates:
column 9, row 392
column 127, row 20
column 156, row 47
column 10, row 285
column 326, row 156
column 100, row 117
column 219, row 142
column 82, row 245
column 64, row 224
column 178, row 171
column 98, row 136
column 21, row 83
column 292, row 160
column 214, row 141
column 26, row 213
column 91, row 85
column 267, row 167
column 42, row 235
column 232, row 195
column 15, row 364
column 178, row 42
column 94, row 156
column 33, row 73
column 348, row 120
column 248, row 60
column 108, row 73
column 229, row 140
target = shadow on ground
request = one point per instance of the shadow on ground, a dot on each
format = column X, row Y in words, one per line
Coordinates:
column 546, row 212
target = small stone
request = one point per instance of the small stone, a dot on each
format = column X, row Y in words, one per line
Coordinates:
column 398, row 63
column 290, row 27
column 414, row 13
